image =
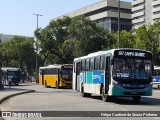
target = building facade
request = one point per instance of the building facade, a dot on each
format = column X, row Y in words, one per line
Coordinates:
column 105, row 13
column 145, row 12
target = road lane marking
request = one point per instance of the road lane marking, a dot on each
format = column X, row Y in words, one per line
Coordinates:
column 112, row 106
column 102, row 103
column 123, row 109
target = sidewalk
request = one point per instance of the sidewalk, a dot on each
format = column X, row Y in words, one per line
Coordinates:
column 7, row 93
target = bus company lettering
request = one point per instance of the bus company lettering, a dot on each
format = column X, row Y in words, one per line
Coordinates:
column 96, row 76
column 126, row 53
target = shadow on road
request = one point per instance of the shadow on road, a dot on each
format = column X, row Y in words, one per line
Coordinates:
column 128, row 101
column 7, row 89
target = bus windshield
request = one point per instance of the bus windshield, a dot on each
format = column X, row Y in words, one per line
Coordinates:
column 132, row 69
column 14, row 73
column 67, row 74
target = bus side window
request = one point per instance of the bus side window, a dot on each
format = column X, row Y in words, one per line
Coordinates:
column 83, row 65
column 102, row 62
column 78, row 68
column 92, row 64
column 87, row 65
column 51, row 71
column 97, row 60
column 47, row 71
column 56, row 71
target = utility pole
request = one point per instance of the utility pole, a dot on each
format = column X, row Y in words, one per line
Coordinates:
column 119, row 24
column 37, row 49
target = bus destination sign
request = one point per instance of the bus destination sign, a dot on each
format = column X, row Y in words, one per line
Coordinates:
column 131, row 53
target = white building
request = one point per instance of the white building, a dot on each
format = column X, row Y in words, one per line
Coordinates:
column 145, row 12
column 105, row 13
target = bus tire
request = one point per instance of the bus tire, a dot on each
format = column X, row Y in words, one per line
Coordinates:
column 89, row 95
column 83, row 94
column 136, row 98
column 57, row 85
column 6, row 83
column 1, row 86
column 45, row 84
column 105, row 98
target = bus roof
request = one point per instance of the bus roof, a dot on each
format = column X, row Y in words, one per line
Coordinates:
column 51, row 66
column 10, row 68
column 54, row 66
column 111, row 51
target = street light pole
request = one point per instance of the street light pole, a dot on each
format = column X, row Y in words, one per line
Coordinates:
column 118, row 23
column 37, row 49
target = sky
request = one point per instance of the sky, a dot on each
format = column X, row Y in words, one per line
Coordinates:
column 16, row 16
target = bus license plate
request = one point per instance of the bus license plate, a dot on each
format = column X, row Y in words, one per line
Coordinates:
column 134, row 93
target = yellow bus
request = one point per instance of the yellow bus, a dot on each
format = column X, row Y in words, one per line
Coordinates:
column 56, row 75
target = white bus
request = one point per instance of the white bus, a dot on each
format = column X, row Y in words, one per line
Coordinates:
column 114, row 73
column 156, row 76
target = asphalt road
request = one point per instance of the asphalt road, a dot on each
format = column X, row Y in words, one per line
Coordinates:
column 51, row 99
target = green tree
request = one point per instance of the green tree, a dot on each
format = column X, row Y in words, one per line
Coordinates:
column 141, row 36
column 52, row 37
column 71, row 37
column 148, row 38
column 126, row 39
column 19, row 52
column 89, row 36
column 6, row 53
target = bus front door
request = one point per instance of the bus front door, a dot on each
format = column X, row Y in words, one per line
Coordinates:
column 77, row 87
column 42, row 77
column 107, row 75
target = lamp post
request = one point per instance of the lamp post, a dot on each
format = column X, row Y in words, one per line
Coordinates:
column 118, row 23
column 37, row 49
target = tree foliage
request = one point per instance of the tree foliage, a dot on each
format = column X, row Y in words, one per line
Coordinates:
column 126, row 39
column 89, row 36
column 72, row 37
column 146, row 37
column 18, row 52
column 52, row 37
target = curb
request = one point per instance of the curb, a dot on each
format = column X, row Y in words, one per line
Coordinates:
column 15, row 94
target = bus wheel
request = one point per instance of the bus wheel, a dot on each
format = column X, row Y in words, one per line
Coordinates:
column 136, row 98
column 83, row 94
column 45, row 84
column 1, row 86
column 57, row 85
column 89, row 95
column 105, row 98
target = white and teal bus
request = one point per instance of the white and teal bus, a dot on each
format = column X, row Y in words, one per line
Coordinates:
column 124, row 72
